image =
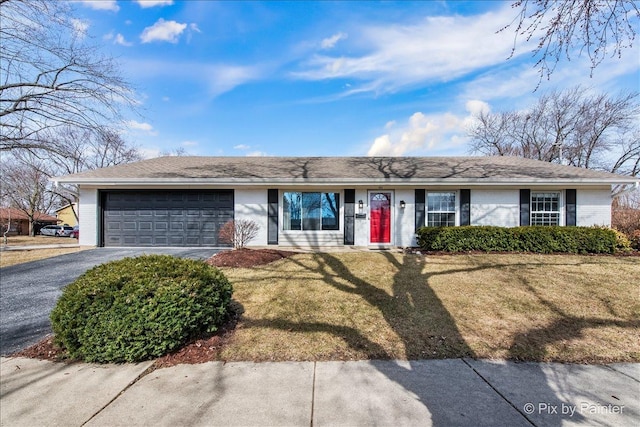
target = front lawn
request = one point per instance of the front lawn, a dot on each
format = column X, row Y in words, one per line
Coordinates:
column 384, row 305
column 8, row 258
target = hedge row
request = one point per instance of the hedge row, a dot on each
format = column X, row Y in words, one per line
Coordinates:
column 139, row 308
column 538, row 239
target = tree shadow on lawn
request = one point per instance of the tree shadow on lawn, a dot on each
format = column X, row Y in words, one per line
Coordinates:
column 532, row 343
column 427, row 330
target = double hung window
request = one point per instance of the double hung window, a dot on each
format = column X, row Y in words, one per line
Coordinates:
column 441, row 209
column 545, row 208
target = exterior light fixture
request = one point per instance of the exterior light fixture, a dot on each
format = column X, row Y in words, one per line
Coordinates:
column 360, row 205
column 402, row 204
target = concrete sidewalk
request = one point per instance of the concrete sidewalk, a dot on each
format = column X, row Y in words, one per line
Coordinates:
column 396, row 393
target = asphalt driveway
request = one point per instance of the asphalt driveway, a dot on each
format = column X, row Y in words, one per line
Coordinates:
column 29, row 291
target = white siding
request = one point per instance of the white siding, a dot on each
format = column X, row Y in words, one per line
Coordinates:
column 88, row 217
column 495, row 207
column 311, row 238
column 498, row 207
column 252, row 205
column 405, row 219
column 361, row 225
column 593, row 207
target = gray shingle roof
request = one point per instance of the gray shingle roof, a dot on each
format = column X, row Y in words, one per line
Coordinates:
column 348, row 169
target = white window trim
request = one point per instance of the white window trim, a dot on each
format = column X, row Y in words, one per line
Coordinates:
column 282, row 231
column 456, row 205
column 561, row 205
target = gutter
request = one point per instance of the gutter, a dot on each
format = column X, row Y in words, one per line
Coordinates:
column 233, row 182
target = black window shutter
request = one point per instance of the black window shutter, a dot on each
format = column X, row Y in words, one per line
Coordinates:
column 272, row 224
column 525, row 207
column 571, row 207
column 420, row 208
column 349, row 214
column 465, row 207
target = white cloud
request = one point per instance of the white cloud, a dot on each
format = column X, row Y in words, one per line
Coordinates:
column 119, row 39
column 476, row 107
column 434, row 49
column 249, row 150
column 188, row 143
column 223, row 78
column 149, row 153
column 167, row 31
column 111, row 5
column 143, row 127
column 427, row 134
column 256, row 154
column 80, row 27
column 193, row 28
column 218, row 78
column 519, row 86
column 330, row 42
column 152, row 3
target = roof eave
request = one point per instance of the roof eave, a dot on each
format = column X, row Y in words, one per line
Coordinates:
column 247, row 182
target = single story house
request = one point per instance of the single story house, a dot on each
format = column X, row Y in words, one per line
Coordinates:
column 67, row 214
column 18, row 222
column 331, row 201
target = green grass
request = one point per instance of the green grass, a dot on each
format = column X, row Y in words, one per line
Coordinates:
column 382, row 305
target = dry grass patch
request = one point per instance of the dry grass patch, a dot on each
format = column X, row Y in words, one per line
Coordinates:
column 8, row 258
column 372, row 305
column 38, row 240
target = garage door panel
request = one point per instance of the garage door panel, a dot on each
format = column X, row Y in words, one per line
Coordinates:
column 209, row 241
column 209, row 226
column 165, row 218
column 161, row 241
column 129, row 226
column 130, row 240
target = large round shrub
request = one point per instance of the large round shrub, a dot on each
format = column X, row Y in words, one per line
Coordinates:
column 139, row 308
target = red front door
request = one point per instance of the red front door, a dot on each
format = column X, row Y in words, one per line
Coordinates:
column 380, row 204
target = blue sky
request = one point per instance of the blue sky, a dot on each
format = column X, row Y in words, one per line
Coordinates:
column 324, row 78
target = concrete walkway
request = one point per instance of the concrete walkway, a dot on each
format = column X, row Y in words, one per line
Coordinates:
column 462, row 392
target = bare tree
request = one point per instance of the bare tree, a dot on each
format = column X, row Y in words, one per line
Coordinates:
column 597, row 27
column 573, row 127
column 51, row 77
column 6, row 226
column 238, row 233
column 27, row 187
column 81, row 149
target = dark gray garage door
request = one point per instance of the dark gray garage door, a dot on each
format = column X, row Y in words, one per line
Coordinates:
column 165, row 217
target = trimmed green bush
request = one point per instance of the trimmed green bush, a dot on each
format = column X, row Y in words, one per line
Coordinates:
column 521, row 239
column 139, row 308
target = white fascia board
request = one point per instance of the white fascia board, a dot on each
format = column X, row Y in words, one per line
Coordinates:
column 201, row 182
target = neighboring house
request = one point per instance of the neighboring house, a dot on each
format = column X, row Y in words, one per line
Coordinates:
column 331, row 201
column 18, row 221
column 66, row 214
